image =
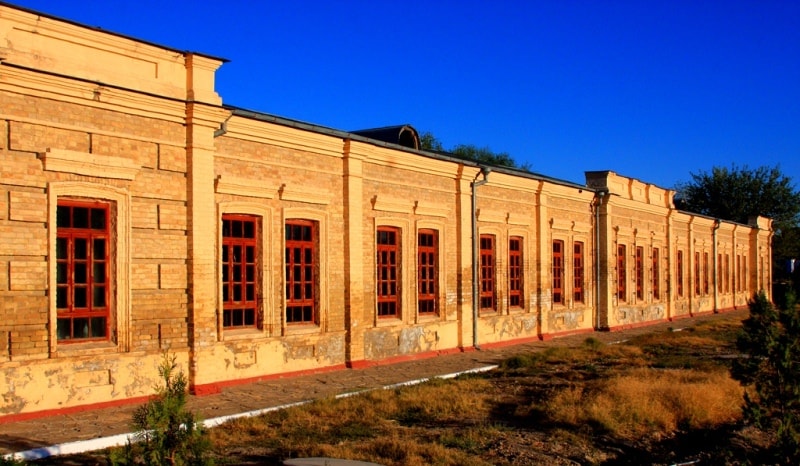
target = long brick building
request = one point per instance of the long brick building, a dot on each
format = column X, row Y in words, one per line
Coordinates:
column 140, row 214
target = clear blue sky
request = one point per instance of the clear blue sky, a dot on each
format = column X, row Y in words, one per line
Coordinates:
column 655, row 90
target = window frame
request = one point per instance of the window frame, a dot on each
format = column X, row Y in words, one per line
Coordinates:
column 487, row 296
column 705, row 274
column 639, row 272
column 697, row 274
column 578, row 271
column 679, row 272
column 228, row 267
column 428, row 272
column 557, row 271
column 388, row 258
column 622, row 272
column 656, row 278
column 308, row 307
column 70, row 265
column 516, row 277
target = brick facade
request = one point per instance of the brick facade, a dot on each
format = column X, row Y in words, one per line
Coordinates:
column 156, row 147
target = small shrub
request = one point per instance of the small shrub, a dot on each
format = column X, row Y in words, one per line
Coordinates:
column 167, row 434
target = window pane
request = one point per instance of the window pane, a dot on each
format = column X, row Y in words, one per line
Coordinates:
column 80, row 217
column 79, row 273
column 99, row 297
column 98, row 327
column 62, row 216
column 99, row 249
column 81, row 249
column 61, row 298
column 249, row 229
column 61, row 273
column 79, row 297
column 99, row 272
column 63, row 329
column 61, row 248
column 80, row 327
column 98, row 219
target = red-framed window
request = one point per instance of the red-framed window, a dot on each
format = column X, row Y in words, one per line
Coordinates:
column 577, row 271
column 697, row 287
column 515, row 291
column 622, row 272
column 488, row 297
column 240, row 271
column 427, row 271
column 558, row 271
column 705, row 273
column 302, row 271
column 388, row 273
column 720, row 276
column 679, row 273
column 639, row 266
column 738, row 272
column 83, row 269
column 727, row 273
column 656, row 275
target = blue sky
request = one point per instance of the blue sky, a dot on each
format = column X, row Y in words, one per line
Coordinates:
column 654, row 90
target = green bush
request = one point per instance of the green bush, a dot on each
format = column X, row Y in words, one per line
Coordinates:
column 166, row 433
column 770, row 371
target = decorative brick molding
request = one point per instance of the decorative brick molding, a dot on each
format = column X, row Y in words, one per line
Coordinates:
column 83, row 163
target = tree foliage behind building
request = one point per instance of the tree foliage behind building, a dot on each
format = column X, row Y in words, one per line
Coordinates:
column 481, row 155
column 738, row 193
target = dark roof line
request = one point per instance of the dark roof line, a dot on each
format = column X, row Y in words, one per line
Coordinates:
column 429, row 154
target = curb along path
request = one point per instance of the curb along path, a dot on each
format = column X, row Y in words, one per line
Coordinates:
column 90, row 429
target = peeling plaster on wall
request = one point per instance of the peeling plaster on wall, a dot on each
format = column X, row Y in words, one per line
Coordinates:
column 301, row 351
column 529, row 323
column 331, row 349
column 139, row 382
column 416, row 340
column 566, row 320
column 633, row 315
column 379, row 344
column 12, row 403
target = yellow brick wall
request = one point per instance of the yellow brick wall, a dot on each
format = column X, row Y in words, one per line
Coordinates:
column 147, row 145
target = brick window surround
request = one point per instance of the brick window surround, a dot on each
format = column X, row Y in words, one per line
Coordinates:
column 488, row 276
column 679, row 273
column 83, row 257
column 697, row 287
column 622, row 275
column 578, row 268
column 558, row 271
column 427, row 271
column 388, row 272
column 241, row 265
column 656, row 275
column 515, row 279
column 302, row 271
column 639, row 267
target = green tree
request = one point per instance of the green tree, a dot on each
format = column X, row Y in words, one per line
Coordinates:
column 736, row 193
column 770, row 373
column 167, row 434
column 483, row 155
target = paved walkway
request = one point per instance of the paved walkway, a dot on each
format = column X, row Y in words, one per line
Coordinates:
column 98, row 423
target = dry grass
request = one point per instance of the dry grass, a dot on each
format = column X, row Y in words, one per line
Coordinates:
column 649, row 401
column 595, row 403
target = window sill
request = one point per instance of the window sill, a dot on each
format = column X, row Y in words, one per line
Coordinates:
column 241, row 334
column 77, row 348
column 301, row 329
column 388, row 321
